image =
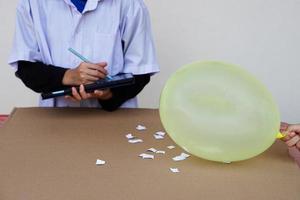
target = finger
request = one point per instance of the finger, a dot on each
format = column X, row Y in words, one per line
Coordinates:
column 91, row 66
column 102, row 64
column 106, row 94
column 76, row 94
column 88, row 79
column 294, row 128
column 96, row 67
column 288, row 135
column 82, row 92
column 286, row 138
column 96, row 73
column 104, row 91
column 99, row 93
column 293, row 141
column 95, row 95
column 103, row 70
column 292, row 134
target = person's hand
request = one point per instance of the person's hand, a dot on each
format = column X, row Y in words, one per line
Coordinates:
column 292, row 140
column 85, row 73
column 292, row 137
column 283, row 126
column 82, row 94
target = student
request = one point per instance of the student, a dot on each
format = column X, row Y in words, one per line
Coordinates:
column 292, row 139
column 113, row 34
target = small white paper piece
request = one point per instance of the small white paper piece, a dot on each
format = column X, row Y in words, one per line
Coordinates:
column 141, row 128
column 160, row 152
column 160, row 133
column 129, row 136
column 174, row 170
column 134, row 141
column 146, row 156
column 100, row 162
column 178, row 158
column 152, row 150
column 181, row 157
column 185, row 155
column 171, row 147
column 158, row 137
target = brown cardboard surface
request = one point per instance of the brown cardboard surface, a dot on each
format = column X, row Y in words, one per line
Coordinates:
column 51, row 154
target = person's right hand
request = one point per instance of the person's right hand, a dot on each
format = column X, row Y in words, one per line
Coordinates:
column 85, row 73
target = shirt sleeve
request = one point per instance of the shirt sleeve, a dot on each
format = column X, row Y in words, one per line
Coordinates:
column 41, row 77
column 124, row 93
column 138, row 45
column 25, row 46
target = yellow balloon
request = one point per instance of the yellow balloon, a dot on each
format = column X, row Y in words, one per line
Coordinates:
column 219, row 112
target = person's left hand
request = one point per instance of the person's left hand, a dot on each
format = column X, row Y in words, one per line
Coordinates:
column 83, row 95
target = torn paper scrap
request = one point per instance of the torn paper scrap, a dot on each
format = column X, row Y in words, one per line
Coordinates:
column 160, row 133
column 160, row 152
column 158, row 137
column 134, row 141
column 178, row 158
column 146, row 156
column 185, row 155
column 174, row 170
column 152, row 150
column 141, row 128
column 181, row 157
column 100, row 162
column 129, row 136
column 171, row 147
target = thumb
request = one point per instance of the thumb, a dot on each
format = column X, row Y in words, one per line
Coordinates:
column 283, row 126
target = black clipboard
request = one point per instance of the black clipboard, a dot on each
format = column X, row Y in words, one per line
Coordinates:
column 116, row 81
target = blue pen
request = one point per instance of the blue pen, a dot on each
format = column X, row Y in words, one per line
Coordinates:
column 84, row 59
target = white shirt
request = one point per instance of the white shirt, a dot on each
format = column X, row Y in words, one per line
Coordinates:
column 45, row 29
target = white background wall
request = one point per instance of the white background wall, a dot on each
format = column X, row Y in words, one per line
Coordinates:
column 261, row 35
